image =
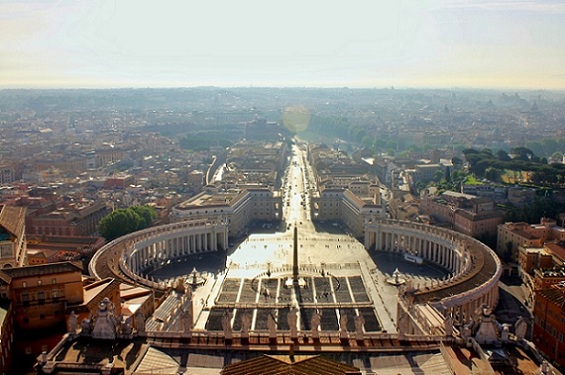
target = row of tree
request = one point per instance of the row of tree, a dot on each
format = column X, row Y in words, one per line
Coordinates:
column 126, row 220
column 491, row 165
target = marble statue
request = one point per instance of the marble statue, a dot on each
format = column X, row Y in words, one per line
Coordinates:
column 449, row 325
column 403, row 323
column 315, row 325
column 342, row 325
column 105, row 325
column 505, row 332
column 186, row 320
column 272, row 325
column 520, row 328
column 467, row 331
column 245, row 324
column 126, row 327
column 359, row 323
column 72, row 323
column 86, row 327
column 140, row 322
column 291, row 318
column 226, row 324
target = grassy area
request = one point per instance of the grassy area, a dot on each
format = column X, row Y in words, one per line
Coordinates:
column 471, row 180
column 514, row 177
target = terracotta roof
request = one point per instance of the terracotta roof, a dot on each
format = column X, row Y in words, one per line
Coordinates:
column 289, row 365
column 41, row 269
column 12, row 218
column 556, row 295
column 556, row 250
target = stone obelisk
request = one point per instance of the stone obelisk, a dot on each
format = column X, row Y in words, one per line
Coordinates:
column 295, row 257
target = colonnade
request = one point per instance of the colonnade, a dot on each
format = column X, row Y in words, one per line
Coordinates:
column 462, row 255
column 150, row 247
column 162, row 246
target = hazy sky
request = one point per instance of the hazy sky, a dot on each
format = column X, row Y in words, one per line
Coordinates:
column 373, row 43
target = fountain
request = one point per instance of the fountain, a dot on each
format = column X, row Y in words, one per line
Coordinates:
column 396, row 278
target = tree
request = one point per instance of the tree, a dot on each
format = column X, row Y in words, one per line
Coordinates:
column 502, row 155
column 147, row 213
column 125, row 220
column 492, row 174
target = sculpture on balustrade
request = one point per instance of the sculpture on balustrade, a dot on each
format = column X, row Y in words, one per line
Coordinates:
column 72, row 324
column 226, row 325
column 315, row 325
column 140, row 322
column 245, row 324
column 272, row 324
column 126, row 327
column 186, row 319
column 359, row 323
column 105, row 324
column 343, row 325
column 291, row 318
column 448, row 325
column 403, row 322
column 467, row 331
column 86, row 327
column 520, row 328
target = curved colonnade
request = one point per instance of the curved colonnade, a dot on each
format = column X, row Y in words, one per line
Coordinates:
column 475, row 268
column 147, row 249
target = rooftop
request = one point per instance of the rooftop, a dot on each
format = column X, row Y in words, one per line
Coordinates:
column 42, row 269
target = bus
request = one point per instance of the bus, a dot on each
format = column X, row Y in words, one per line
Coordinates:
column 414, row 259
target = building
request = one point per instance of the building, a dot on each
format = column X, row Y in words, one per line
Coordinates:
column 549, row 322
column 74, row 220
column 532, row 258
column 237, row 207
column 341, row 204
column 513, row 235
column 6, row 335
column 546, row 278
column 40, row 293
column 12, row 236
column 494, row 192
column 464, row 213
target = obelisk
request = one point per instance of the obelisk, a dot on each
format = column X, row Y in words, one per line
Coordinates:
column 295, row 257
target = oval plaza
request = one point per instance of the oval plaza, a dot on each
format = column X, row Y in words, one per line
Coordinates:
column 351, row 278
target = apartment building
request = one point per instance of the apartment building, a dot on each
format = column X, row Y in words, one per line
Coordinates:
column 40, row 293
column 513, row 235
column 549, row 322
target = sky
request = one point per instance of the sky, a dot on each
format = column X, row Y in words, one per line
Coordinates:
column 320, row 43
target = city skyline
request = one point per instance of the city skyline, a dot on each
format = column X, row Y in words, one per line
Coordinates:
column 436, row 44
